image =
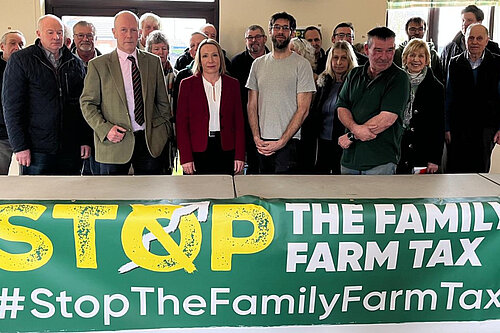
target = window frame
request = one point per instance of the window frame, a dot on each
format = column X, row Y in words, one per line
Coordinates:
column 163, row 8
column 433, row 23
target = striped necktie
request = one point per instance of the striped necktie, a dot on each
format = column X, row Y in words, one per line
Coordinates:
column 138, row 102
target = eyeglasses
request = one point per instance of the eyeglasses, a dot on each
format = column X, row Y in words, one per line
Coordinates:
column 278, row 27
column 254, row 37
column 343, row 35
column 81, row 36
column 421, row 29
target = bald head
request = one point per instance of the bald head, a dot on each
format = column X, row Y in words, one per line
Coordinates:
column 209, row 30
column 12, row 41
column 476, row 39
column 51, row 33
column 194, row 41
column 126, row 31
column 48, row 17
column 127, row 14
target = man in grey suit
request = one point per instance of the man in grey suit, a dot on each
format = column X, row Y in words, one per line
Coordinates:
column 125, row 102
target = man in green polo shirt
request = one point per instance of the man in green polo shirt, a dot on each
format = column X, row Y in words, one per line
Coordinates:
column 371, row 105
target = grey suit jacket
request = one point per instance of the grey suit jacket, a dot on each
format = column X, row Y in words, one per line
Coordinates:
column 104, row 104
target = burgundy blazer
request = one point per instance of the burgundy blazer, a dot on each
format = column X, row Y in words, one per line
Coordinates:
column 192, row 118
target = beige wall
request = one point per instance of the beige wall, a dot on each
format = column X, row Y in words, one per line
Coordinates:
column 21, row 15
column 237, row 15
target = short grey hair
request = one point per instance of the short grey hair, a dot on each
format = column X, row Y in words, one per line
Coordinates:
column 67, row 32
column 42, row 18
column 305, row 49
column 254, row 27
column 150, row 17
column 156, row 37
column 84, row 24
column 3, row 40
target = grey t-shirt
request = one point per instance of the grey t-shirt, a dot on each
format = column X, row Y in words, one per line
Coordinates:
column 278, row 82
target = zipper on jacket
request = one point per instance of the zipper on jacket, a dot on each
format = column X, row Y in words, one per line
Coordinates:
column 67, row 85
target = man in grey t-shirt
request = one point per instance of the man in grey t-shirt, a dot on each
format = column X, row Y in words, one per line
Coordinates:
column 280, row 86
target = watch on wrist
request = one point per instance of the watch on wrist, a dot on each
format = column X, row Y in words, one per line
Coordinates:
column 350, row 136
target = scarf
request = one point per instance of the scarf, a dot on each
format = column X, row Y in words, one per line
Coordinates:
column 415, row 80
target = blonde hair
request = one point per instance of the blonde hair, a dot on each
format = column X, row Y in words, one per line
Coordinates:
column 414, row 45
column 304, row 49
column 198, row 68
column 351, row 57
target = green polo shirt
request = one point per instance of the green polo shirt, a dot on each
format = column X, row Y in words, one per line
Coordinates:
column 366, row 98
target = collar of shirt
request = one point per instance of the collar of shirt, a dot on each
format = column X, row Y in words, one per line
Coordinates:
column 474, row 64
column 209, row 88
column 213, row 94
column 126, row 68
column 124, row 55
column 78, row 56
column 50, row 56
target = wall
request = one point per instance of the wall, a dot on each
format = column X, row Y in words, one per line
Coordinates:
column 21, row 15
column 237, row 15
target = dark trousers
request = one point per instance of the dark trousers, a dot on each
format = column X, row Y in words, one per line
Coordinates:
column 284, row 161
column 142, row 161
column 60, row 164
column 329, row 155
column 214, row 160
column 252, row 157
column 470, row 150
column 90, row 167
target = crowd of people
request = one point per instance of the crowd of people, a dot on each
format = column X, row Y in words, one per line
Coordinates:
column 292, row 109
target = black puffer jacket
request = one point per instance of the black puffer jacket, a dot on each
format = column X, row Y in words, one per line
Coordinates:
column 41, row 103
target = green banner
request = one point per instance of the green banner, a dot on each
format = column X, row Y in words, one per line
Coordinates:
column 116, row 265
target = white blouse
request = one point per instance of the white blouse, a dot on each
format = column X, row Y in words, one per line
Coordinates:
column 213, row 93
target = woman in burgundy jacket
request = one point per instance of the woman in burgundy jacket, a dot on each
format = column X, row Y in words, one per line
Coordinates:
column 209, row 122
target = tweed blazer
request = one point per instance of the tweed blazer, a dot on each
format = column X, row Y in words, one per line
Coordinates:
column 104, row 104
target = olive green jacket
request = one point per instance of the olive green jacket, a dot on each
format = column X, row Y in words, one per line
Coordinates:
column 104, row 104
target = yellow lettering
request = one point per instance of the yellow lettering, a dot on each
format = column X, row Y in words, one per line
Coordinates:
column 224, row 245
column 41, row 246
column 179, row 255
column 84, row 217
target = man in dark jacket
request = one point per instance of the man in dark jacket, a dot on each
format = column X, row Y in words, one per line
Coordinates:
column 188, row 56
column 472, row 107
column 345, row 31
column 255, row 40
column 470, row 14
column 196, row 38
column 313, row 35
column 12, row 41
column 84, row 38
column 42, row 86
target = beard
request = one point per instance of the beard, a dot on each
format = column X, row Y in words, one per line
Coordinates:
column 281, row 45
column 85, row 47
column 255, row 48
